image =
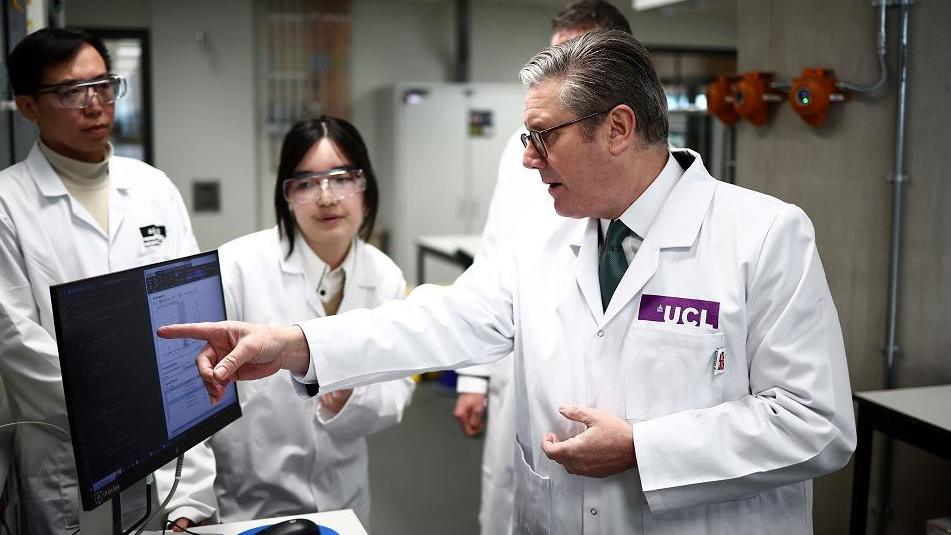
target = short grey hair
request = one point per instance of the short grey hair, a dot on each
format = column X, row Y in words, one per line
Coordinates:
column 598, row 71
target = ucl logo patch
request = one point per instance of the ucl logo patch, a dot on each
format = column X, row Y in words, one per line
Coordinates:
column 152, row 235
column 678, row 310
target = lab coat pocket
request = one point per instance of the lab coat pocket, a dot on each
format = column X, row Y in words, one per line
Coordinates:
column 532, row 498
column 739, row 517
column 668, row 371
column 150, row 255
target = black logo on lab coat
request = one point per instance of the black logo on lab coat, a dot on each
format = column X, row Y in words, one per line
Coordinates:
column 152, row 235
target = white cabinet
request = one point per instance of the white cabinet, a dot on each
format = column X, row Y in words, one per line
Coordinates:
column 437, row 155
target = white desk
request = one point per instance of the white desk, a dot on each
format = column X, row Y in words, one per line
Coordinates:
column 344, row 522
column 460, row 249
column 919, row 416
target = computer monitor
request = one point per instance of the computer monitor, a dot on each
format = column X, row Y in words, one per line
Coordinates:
column 135, row 401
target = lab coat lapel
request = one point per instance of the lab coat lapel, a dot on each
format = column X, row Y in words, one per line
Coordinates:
column 119, row 182
column 293, row 268
column 584, row 243
column 360, row 286
column 640, row 271
column 677, row 225
column 117, row 205
column 50, row 186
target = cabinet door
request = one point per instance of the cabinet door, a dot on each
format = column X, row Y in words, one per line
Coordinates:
column 501, row 106
column 429, row 155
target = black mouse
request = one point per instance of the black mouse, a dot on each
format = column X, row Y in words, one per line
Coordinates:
column 294, row 526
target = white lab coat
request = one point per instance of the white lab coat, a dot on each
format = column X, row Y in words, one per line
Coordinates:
column 6, row 438
column 48, row 238
column 731, row 452
column 497, row 492
column 288, row 455
column 518, row 196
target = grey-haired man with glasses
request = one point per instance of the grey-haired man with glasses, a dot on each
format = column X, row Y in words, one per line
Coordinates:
column 70, row 210
column 679, row 363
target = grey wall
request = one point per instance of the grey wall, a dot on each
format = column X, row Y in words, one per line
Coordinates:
column 204, row 108
column 414, row 40
column 392, row 42
column 203, row 98
column 105, row 13
column 837, row 174
column 505, row 34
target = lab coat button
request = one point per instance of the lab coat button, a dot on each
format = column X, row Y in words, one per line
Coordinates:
column 600, row 333
column 593, row 511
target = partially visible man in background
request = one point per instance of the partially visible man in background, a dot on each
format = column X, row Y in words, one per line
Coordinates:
column 519, row 196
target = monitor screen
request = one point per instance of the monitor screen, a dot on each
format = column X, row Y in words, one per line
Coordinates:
column 135, row 401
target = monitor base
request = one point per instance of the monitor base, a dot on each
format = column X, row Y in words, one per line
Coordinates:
column 107, row 518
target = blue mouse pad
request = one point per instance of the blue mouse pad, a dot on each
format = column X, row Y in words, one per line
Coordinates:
column 321, row 530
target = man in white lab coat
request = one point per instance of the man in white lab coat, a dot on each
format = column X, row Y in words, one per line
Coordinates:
column 518, row 197
column 679, row 365
column 70, row 210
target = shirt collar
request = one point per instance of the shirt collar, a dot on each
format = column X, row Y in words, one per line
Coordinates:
column 640, row 215
column 316, row 270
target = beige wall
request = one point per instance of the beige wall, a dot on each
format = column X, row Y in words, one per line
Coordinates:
column 837, row 174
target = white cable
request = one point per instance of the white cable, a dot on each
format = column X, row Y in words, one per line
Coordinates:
column 54, row 426
column 178, row 475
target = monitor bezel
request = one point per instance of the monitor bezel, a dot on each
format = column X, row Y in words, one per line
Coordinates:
column 177, row 446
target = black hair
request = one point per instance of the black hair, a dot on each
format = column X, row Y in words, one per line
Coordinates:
column 301, row 137
column 590, row 15
column 46, row 48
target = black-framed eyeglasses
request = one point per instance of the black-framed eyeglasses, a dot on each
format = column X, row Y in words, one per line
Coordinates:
column 78, row 95
column 339, row 183
column 537, row 137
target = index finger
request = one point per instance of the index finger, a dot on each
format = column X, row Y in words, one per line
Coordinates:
column 575, row 413
column 198, row 331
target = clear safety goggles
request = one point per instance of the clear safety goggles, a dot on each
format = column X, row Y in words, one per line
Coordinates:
column 336, row 183
column 78, row 95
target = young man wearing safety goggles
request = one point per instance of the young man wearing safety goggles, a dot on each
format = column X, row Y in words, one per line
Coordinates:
column 70, row 210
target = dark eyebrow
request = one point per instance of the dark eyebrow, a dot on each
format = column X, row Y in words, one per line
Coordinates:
column 536, row 125
column 71, row 81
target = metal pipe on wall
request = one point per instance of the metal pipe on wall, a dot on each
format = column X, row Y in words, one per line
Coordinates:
column 898, row 180
column 881, row 51
column 463, row 27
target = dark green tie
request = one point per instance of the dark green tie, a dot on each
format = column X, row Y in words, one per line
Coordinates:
column 613, row 262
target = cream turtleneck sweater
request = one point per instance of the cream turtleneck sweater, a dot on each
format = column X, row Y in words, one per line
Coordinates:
column 86, row 182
